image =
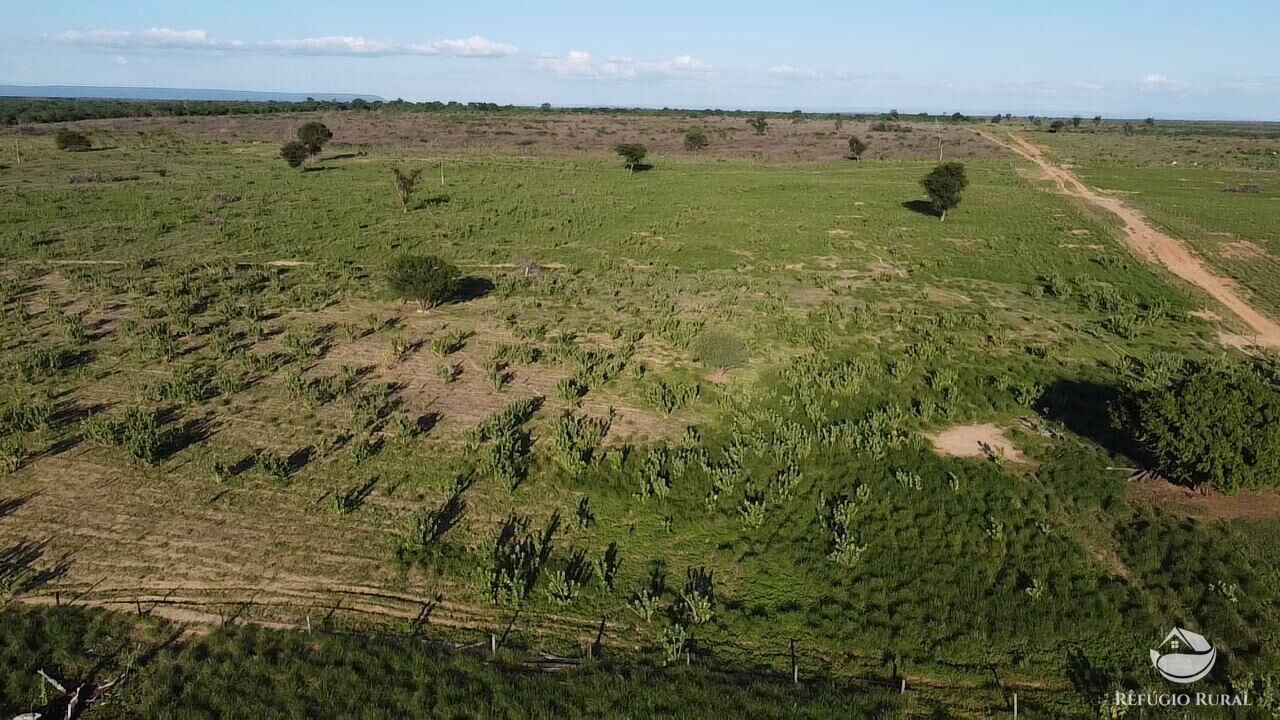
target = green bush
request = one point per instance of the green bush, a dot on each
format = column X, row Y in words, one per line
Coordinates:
column 632, row 154
column 294, row 153
column 71, row 141
column 425, row 279
column 1217, row 424
column 313, row 136
column 719, row 349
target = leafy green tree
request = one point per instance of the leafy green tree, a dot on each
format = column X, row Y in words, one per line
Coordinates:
column 294, row 153
column 944, row 185
column 759, row 124
column 1217, row 423
column 695, row 139
column 1056, row 125
column 405, row 184
column 856, row 147
column 314, row 135
column 425, row 279
column 71, row 141
column 632, row 154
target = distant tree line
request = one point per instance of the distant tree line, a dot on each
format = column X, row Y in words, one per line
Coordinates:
column 18, row 110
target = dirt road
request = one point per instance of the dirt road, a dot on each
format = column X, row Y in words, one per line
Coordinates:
column 1151, row 244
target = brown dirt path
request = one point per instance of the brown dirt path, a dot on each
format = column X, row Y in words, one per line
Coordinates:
column 1151, row 244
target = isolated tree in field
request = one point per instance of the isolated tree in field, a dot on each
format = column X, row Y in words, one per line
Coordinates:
column 71, row 140
column 405, row 183
column 995, row 119
column 1097, row 120
column 632, row 155
column 839, row 122
column 1075, row 121
column 294, row 153
column 856, row 147
column 425, row 279
column 759, row 124
column 944, row 184
column 1056, row 125
column 314, row 135
column 1150, row 122
column 695, row 139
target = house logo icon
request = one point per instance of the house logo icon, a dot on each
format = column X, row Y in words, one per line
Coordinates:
column 1184, row 657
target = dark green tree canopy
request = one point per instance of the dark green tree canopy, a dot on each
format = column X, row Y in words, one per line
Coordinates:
column 1217, row 423
column 67, row 139
column 632, row 154
column 425, row 279
column 856, row 147
column 695, row 139
column 314, row 135
column 944, row 185
column 294, row 153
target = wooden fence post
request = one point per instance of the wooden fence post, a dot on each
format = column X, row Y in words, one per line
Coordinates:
column 795, row 668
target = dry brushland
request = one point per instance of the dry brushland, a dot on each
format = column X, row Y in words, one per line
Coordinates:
column 730, row 403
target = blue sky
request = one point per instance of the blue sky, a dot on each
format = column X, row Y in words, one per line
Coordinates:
column 1133, row 58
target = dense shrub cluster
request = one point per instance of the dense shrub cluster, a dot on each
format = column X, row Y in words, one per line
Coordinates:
column 1215, row 423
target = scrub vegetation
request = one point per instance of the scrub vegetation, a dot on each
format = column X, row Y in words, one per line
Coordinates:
column 672, row 420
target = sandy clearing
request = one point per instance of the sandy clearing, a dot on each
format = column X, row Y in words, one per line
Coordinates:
column 1151, row 244
column 976, row 441
column 1260, row 504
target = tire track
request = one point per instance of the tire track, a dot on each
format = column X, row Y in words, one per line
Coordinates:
column 1151, row 244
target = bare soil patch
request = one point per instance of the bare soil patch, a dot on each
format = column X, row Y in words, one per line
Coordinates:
column 1211, row 505
column 1242, row 250
column 984, row 440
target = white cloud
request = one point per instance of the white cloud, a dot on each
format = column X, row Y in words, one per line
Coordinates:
column 579, row 63
column 786, row 72
column 168, row 39
column 474, row 46
column 1155, row 81
column 1087, row 85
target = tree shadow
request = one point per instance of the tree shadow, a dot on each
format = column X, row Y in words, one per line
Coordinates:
column 432, row 201
column 1084, row 408
column 427, row 421
column 319, row 168
column 18, row 567
column 922, row 207
column 299, row 458
column 641, row 167
column 342, row 156
column 188, row 433
column 9, row 506
column 472, row 288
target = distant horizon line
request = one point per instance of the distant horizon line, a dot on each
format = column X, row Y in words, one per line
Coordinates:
column 145, row 93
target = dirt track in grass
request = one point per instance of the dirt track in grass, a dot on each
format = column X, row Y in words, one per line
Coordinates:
column 1151, row 244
